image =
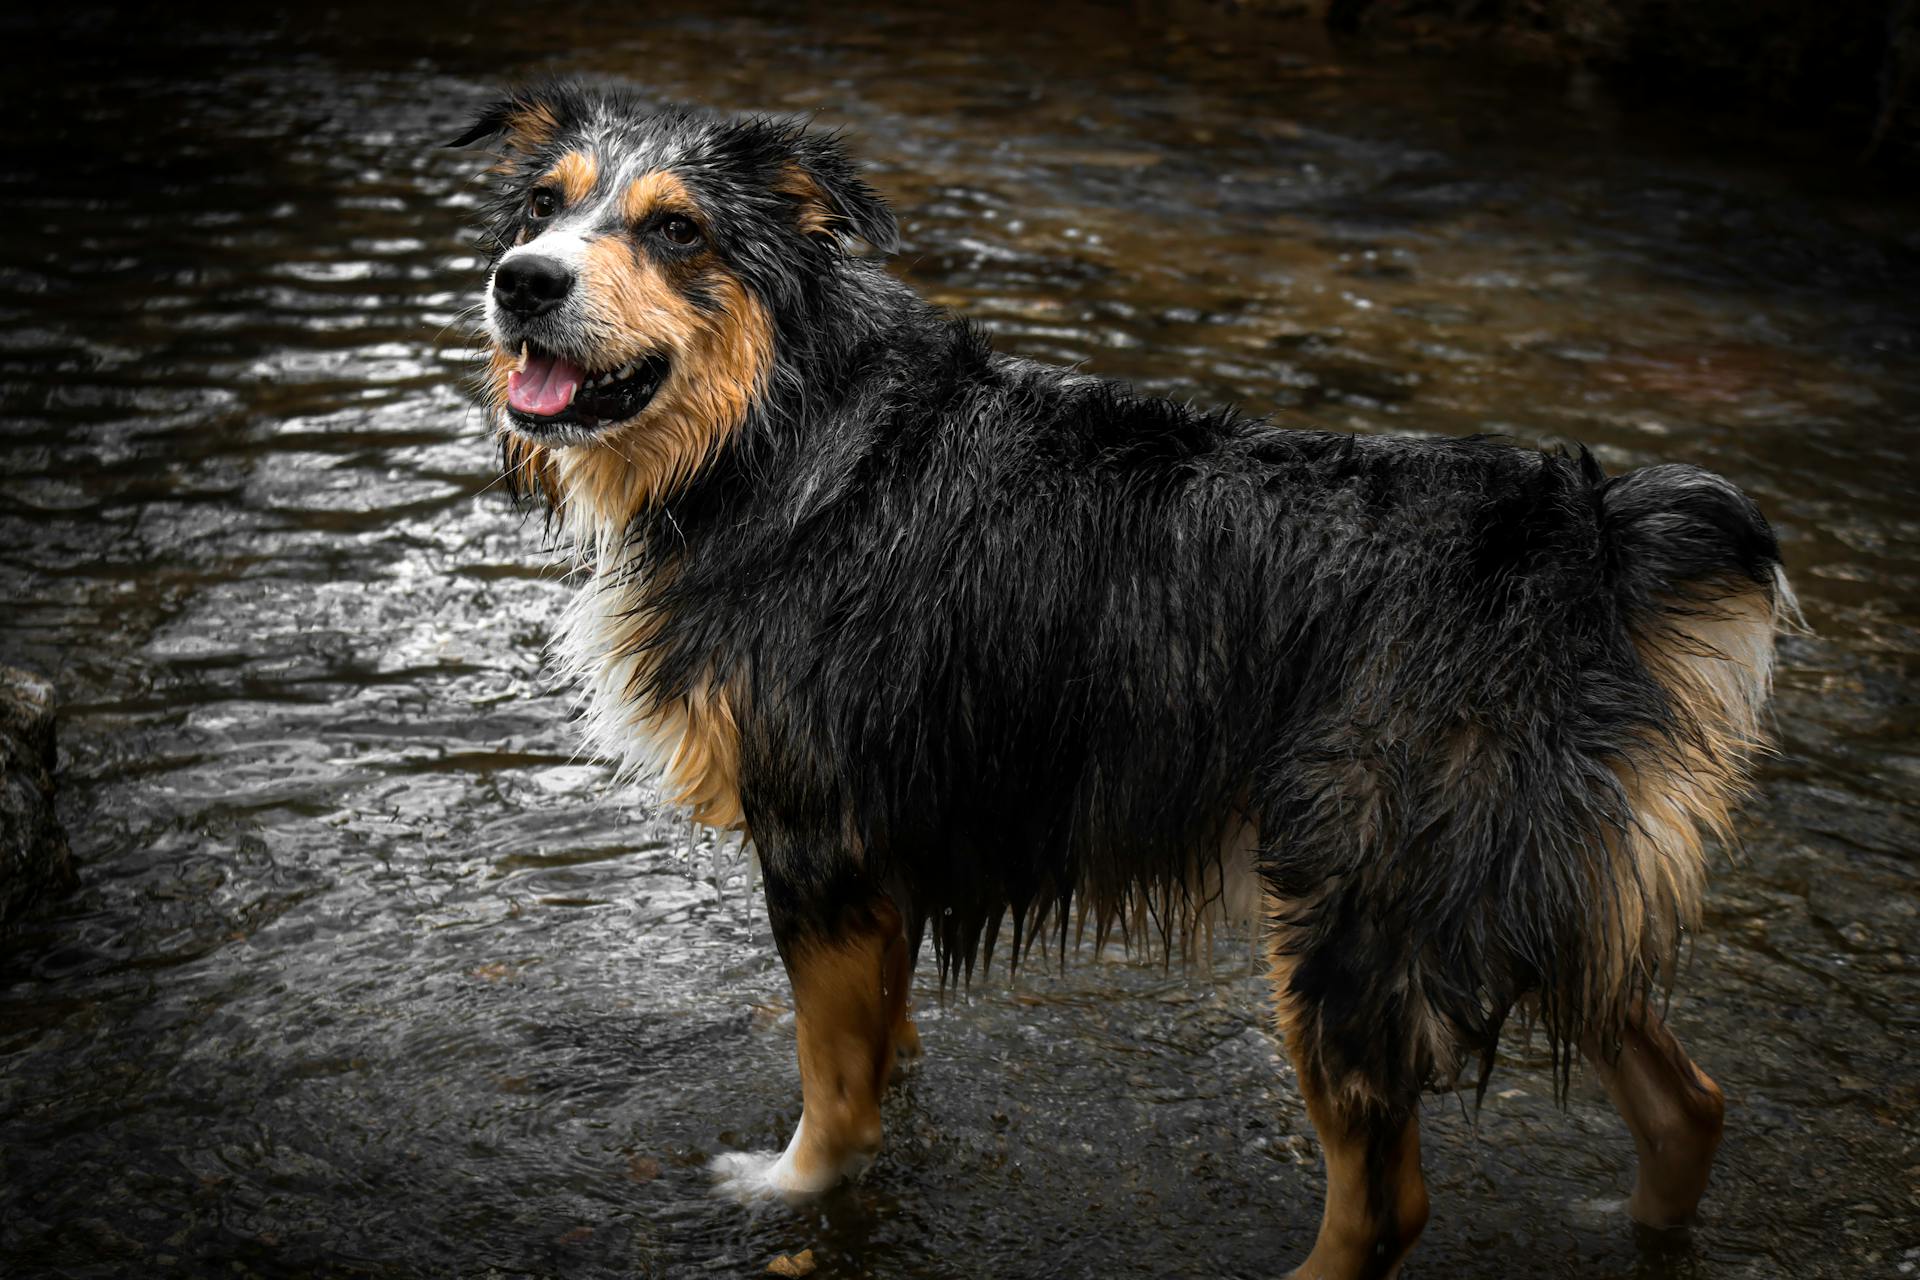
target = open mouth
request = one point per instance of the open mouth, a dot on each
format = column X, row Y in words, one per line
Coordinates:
column 550, row 391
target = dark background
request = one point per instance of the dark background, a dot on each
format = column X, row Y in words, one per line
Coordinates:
column 367, row 974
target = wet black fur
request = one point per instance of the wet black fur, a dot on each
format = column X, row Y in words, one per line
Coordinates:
column 999, row 636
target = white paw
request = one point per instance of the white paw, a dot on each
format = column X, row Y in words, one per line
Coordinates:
column 747, row 1177
column 752, row 1176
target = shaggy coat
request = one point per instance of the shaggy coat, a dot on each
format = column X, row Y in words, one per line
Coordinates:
column 1002, row 648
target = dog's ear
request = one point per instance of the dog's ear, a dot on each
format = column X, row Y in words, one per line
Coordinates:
column 831, row 200
column 527, row 121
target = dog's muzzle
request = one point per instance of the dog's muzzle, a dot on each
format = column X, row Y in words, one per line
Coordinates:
column 549, row 392
column 529, row 285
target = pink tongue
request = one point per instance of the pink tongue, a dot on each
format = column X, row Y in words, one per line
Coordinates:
column 545, row 386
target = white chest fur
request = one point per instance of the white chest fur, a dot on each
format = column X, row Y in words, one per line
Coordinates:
column 688, row 742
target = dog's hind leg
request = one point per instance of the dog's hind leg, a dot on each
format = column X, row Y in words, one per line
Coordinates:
column 1343, row 1040
column 1376, row 1201
column 849, row 995
column 1674, row 1111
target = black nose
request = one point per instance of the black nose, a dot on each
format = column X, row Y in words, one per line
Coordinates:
column 530, row 285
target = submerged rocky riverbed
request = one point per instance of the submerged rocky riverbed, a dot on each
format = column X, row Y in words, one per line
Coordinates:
column 368, row 974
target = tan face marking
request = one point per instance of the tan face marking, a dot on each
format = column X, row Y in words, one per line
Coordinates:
column 632, row 307
column 574, row 174
column 719, row 361
column 653, row 193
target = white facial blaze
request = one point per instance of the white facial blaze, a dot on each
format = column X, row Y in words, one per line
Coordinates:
column 564, row 246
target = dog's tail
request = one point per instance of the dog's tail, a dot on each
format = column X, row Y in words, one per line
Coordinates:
column 1697, row 573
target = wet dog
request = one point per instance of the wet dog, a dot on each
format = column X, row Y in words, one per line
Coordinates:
column 963, row 641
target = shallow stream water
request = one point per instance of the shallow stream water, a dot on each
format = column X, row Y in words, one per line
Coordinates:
column 368, row 974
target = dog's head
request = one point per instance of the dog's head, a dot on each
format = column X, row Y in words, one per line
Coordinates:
column 642, row 260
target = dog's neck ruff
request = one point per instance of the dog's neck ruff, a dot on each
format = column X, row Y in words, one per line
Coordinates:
column 594, row 648
column 686, row 743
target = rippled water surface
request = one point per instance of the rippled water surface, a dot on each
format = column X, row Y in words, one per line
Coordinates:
column 368, row 974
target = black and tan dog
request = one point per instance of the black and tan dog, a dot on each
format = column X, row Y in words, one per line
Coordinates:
column 961, row 640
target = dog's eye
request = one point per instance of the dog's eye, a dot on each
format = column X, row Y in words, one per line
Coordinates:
column 680, row 230
column 542, row 202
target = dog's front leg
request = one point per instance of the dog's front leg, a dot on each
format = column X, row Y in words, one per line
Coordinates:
column 849, row 969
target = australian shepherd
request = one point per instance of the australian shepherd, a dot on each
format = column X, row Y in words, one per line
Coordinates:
column 972, row 646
